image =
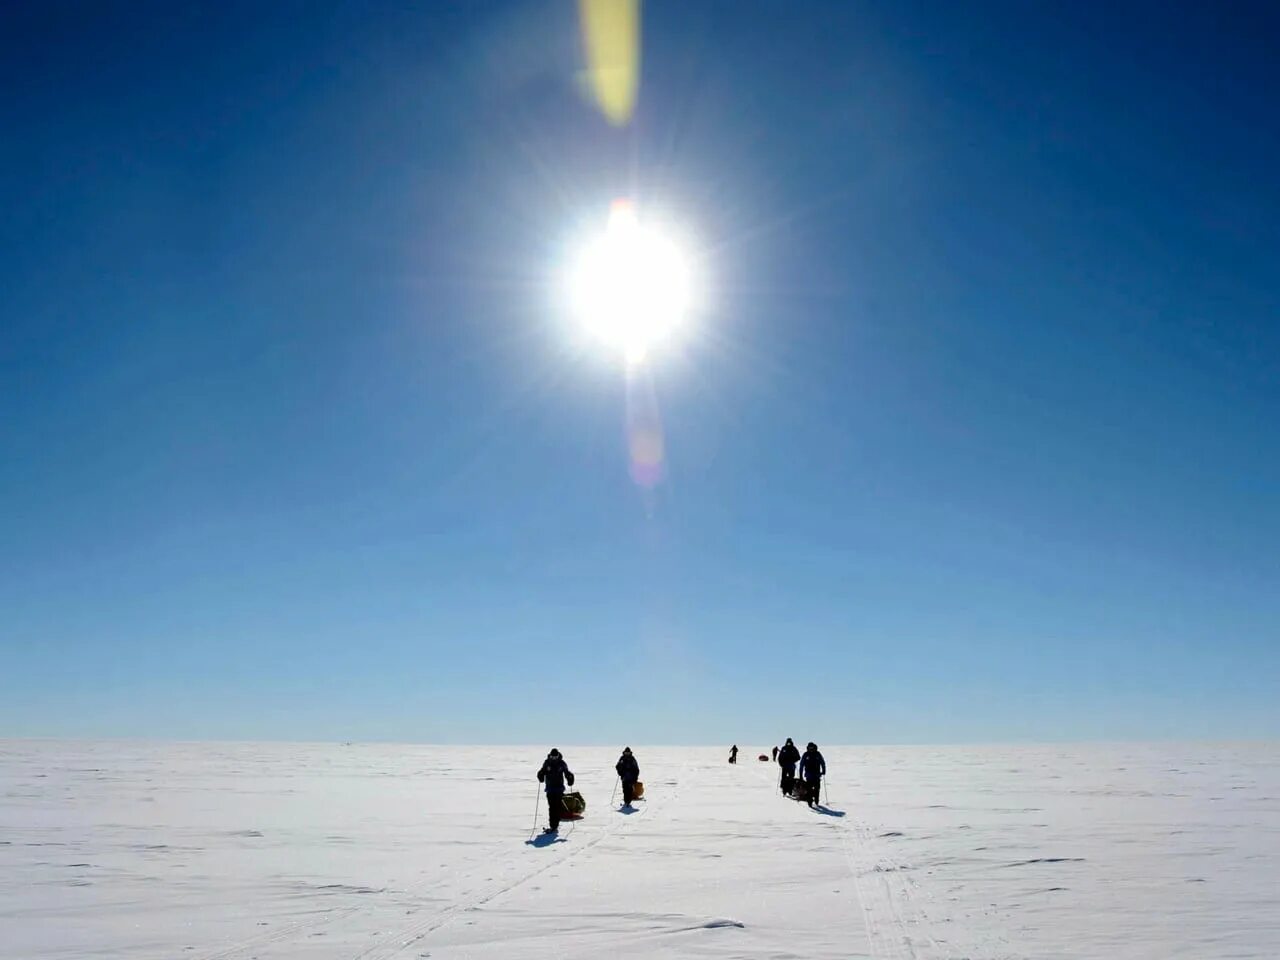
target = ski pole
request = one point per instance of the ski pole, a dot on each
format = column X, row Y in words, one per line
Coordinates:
column 826, row 792
column 537, row 798
column 616, row 781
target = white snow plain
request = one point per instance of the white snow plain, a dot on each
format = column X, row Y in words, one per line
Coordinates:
column 369, row 852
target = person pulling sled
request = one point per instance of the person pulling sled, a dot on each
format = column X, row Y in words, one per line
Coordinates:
column 555, row 773
column 788, row 757
column 812, row 769
column 628, row 772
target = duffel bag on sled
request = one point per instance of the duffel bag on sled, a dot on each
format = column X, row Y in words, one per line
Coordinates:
column 637, row 791
column 574, row 806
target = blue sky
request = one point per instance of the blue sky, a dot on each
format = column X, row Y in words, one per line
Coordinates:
column 976, row 438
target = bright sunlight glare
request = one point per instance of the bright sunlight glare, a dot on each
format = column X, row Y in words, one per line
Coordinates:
column 630, row 286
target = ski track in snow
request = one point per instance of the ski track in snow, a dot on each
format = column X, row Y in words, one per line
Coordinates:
column 380, row 852
column 416, row 932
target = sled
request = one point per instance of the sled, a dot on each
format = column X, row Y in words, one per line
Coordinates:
column 763, row 758
column 575, row 807
column 799, row 790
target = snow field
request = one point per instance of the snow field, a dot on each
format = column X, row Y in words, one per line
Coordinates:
column 361, row 852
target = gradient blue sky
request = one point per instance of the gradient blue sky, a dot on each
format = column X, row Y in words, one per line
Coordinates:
column 977, row 440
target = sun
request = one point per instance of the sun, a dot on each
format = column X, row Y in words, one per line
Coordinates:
column 630, row 286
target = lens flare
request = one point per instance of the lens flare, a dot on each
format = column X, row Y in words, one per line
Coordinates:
column 611, row 37
column 646, row 444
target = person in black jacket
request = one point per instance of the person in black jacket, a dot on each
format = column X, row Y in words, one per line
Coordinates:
column 555, row 773
column 788, row 757
column 812, row 769
column 629, row 772
column 733, row 754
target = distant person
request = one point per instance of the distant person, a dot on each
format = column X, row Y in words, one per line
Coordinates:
column 812, row 769
column 733, row 754
column 555, row 773
column 775, row 754
column 788, row 757
column 629, row 772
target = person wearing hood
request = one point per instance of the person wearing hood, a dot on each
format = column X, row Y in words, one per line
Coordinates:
column 812, row 769
column 629, row 772
column 555, row 773
column 788, row 757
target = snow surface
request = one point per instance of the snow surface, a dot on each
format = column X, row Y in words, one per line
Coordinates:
column 367, row 852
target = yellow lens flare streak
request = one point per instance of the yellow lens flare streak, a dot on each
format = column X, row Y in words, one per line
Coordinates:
column 611, row 36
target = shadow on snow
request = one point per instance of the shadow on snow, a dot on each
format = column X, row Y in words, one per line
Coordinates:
column 545, row 840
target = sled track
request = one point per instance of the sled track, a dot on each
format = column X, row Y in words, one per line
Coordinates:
column 897, row 910
column 296, row 929
column 280, row 934
column 885, row 932
column 414, row 933
column 897, row 926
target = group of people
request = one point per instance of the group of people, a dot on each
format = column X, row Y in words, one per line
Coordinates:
column 555, row 774
column 813, row 767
